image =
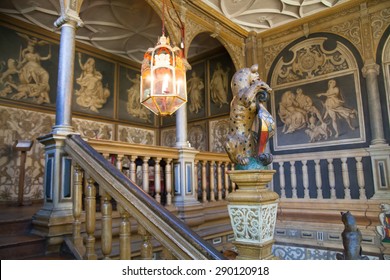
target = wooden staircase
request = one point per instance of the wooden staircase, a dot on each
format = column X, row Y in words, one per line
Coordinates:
column 16, row 241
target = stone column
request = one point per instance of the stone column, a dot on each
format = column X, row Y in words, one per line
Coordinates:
column 252, row 210
column 181, row 127
column 370, row 72
column 55, row 218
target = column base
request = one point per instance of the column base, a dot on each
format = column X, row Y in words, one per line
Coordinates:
column 54, row 225
column 255, row 251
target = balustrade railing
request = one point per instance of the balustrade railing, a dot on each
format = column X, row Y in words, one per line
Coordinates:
column 318, row 180
column 95, row 177
column 342, row 174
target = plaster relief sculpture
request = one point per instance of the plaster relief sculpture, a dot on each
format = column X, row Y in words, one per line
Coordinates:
column 91, row 94
column 251, row 125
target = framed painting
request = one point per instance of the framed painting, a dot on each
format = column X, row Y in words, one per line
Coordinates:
column 93, row 86
column 320, row 113
column 129, row 105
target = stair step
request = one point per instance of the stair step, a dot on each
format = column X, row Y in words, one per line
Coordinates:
column 18, row 247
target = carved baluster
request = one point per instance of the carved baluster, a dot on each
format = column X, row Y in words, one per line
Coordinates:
column 146, row 246
column 232, row 183
column 106, row 156
column 133, row 168
column 196, row 182
column 90, row 219
column 157, row 180
column 166, row 254
column 124, row 235
column 332, row 180
column 346, row 182
column 226, row 175
column 293, row 175
column 119, row 163
column 212, row 181
column 204, row 181
column 168, row 180
column 145, row 174
column 305, row 177
column 318, row 178
column 219, row 180
column 77, row 207
column 106, row 210
column 360, row 178
column 282, row 180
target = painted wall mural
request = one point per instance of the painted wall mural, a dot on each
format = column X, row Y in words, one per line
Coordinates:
column 197, row 135
column 129, row 105
column 18, row 124
column 218, row 133
column 27, row 70
column 168, row 137
column 136, row 135
column 196, row 89
column 221, row 73
column 93, row 86
column 317, row 97
column 93, row 129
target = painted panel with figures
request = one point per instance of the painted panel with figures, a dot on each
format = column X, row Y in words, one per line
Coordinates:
column 129, row 105
column 28, row 68
column 317, row 99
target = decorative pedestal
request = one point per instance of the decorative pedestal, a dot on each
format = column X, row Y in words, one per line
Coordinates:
column 252, row 210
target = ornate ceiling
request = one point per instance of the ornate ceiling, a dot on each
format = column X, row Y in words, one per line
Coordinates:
column 129, row 27
column 260, row 15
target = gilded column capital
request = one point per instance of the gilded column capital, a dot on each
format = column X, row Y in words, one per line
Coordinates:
column 70, row 10
column 370, row 67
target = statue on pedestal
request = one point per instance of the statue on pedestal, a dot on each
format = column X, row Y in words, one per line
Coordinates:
column 251, row 125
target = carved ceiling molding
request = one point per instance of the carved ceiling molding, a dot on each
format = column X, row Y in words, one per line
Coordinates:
column 262, row 15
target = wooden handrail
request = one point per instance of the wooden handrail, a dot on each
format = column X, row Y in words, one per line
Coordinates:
column 170, row 231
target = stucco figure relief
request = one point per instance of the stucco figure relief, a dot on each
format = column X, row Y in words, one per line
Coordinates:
column 219, row 85
column 251, row 125
column 195, row 86
column 91, row 95
column 134, row 106
column 25, row 77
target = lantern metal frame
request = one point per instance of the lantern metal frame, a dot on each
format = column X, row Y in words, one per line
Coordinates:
column 163, row 79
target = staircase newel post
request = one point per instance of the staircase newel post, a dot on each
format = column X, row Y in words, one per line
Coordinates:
column 55, row 218
column 252, row 207
column 252, row 210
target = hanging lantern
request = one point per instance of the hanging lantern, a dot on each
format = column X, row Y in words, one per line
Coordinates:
column 163, row 79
